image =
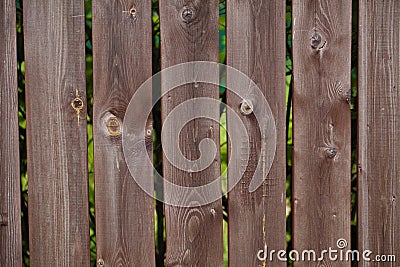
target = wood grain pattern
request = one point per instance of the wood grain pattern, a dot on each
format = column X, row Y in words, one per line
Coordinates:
column 189, row 31
column 56, row 136
column 256, row 46
column 379, row 129
column 10, row 209
column 122, row 62
column 321, row 125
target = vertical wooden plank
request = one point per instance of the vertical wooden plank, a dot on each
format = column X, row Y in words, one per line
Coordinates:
column 10, row 209
column 189, row 31
column 56, row 132
column 122, row 62
column 379, row 129
column 321, row 125
column 256, row 46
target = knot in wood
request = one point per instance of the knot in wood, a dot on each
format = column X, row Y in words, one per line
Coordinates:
column 213, row 212
column 77, row 104
column 132, row 11
column 113, row 126
column 246, row 107
column 193, row 229
column 187, row 14
column 316, row 40
column 331, row 152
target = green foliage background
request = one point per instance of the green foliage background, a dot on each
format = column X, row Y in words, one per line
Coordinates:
column 159, row 213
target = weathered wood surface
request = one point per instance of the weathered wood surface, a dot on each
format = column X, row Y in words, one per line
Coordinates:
column 122, row 62
column 10, row 209
column 379, row 129
column 56, row 133
column 321, row 125
column 256, row 46
column 189, row 32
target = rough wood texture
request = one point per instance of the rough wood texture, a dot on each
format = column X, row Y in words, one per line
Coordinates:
column 189, row 31
column 57, row 136
column 256, row 46
column 321, row 125
column 379, row 129
column 10, row 209
column 122, row 62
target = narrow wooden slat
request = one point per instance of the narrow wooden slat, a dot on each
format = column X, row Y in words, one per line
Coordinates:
column 10, row 209
column 122, row 62
column 189, row 31
column 379, row 129
column 321, row 125
column 256, row 46
column 56, row 132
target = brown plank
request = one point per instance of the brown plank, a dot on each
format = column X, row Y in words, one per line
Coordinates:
column 189, row 31
column 256, row 46
column 122, row 62
column 321, row 125
column 56, row 134
column 379, row 129
column 10, row 209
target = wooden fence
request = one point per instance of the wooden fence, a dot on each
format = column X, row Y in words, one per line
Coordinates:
column 54, row 38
